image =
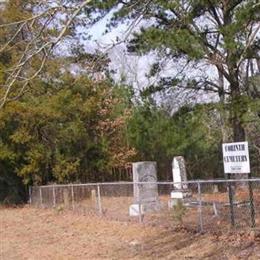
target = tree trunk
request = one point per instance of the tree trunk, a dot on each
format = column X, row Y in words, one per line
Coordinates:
column 238, row 129
column 238, row 110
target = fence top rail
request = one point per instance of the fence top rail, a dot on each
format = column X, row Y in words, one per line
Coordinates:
column 158, row 182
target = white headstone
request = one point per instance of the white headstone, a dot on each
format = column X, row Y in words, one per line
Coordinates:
column 179, row 173
column 179, row 176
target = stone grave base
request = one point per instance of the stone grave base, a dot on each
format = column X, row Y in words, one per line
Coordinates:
column 151, row 206
column 183, row 195
column 180, row 194
column 134, row 210
column 145, row 207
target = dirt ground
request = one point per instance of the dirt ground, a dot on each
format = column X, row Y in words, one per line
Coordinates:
column 29, row 233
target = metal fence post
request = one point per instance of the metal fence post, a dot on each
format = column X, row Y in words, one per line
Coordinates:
column 200, row 208
column 41, row 202
column 30, row 195
column 99, row 200
column 231, row 204
column 53, row 196
column 140, row 215
column 251, row 202
column 72, row 197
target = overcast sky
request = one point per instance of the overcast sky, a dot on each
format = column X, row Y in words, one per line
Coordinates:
column 136, row 68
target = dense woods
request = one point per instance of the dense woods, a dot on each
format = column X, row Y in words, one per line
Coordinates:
column 66, row 127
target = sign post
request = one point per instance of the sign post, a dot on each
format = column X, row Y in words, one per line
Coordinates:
column 251, row 203
column 236, row 161
column 231, row 205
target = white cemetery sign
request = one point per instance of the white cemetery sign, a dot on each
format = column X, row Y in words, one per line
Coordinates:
column 236, row 157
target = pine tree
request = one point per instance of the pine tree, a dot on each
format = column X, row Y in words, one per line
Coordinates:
column 221, row 34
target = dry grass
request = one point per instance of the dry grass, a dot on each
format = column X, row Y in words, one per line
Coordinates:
column 28, row 233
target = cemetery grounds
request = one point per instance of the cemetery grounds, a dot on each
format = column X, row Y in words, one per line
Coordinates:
column 79, row 231
column 30, row 233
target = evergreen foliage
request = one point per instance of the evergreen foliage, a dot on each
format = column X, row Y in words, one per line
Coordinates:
column 156, row 135
column 69, row 131
column 222, row 34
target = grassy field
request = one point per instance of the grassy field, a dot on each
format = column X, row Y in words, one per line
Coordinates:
column 28, row 233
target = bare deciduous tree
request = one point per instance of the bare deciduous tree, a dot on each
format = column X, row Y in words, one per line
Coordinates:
column 36, row 36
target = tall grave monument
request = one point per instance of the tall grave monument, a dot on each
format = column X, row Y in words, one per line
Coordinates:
column 179, row 175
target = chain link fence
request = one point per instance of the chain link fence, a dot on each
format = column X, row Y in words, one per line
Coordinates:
column 202, row 206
